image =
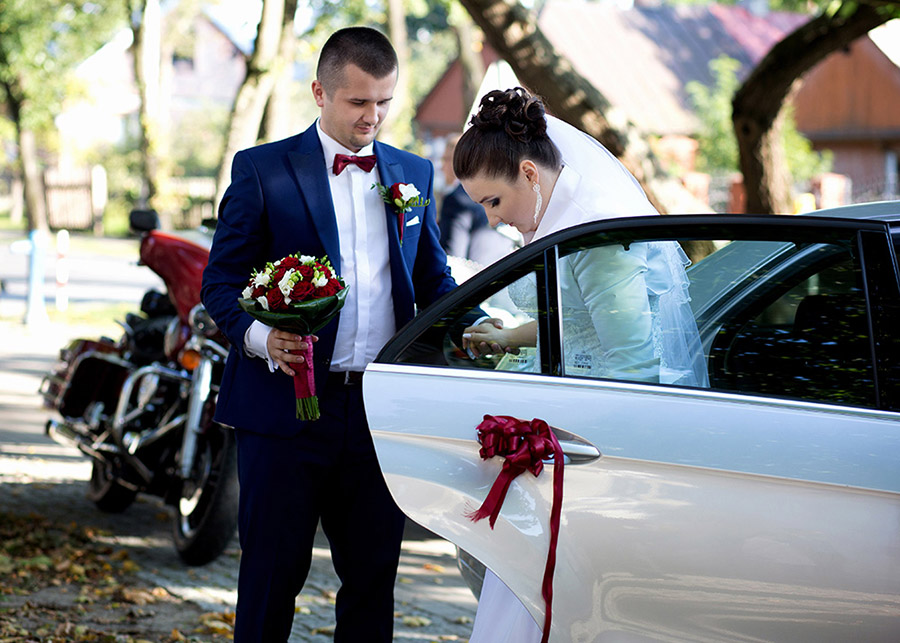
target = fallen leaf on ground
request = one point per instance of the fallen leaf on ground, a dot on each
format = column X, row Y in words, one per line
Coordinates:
column 416, row 621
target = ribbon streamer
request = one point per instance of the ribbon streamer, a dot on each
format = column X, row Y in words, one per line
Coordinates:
column 524, row 445
column 305, row 384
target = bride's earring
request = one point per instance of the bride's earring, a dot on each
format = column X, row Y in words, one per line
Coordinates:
column 537, row 201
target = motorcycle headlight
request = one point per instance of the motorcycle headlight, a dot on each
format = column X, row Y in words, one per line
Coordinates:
column 201, row 323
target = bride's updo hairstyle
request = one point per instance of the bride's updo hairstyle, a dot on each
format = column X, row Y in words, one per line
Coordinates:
column 509, row 127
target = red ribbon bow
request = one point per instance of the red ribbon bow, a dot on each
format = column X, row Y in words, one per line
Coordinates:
column 365, row 163
column 525, row 445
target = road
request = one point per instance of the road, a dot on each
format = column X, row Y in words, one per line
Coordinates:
column 36, row 474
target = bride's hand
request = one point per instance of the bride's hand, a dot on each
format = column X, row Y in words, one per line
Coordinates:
column 488, row 337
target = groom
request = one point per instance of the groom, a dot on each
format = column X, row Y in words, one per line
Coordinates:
column 304, row 194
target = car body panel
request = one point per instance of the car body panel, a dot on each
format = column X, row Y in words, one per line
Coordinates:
column 706, row 516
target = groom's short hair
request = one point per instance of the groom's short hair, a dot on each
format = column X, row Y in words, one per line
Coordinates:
column 367, row 48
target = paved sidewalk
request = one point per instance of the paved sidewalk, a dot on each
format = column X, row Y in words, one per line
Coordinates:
column 36, row 474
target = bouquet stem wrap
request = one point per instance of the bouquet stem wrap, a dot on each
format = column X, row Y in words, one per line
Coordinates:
column 305, row 384
column 524, row 445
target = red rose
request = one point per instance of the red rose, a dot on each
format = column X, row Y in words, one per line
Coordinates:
column 277, row 275
column 290, row 262
column 329, row 289
column 275, row 299
column 307, row 272
column 301, row 290
column 395, row 191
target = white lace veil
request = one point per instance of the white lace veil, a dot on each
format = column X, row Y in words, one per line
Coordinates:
column 622, row 194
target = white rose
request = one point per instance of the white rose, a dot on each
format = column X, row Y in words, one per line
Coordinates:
column 320, row 282
column 247, row 292
column 261, row 279
column 408, row 191
column 263, row 302
column 306, row 259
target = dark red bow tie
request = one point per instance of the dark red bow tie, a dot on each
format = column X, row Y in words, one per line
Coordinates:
column 366, row 163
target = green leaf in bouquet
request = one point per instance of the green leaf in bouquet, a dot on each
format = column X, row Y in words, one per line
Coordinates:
column 303, row 318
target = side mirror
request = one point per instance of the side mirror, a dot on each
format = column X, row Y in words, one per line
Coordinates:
column 144, row 220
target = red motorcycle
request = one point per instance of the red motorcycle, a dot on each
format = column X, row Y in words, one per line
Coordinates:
column 141, row 407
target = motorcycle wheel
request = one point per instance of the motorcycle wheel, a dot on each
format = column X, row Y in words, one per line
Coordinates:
column 206, row 511
column 106, row 492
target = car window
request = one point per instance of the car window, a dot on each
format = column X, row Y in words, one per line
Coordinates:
column 513, row 303
column 772, row 317
column 808, row 340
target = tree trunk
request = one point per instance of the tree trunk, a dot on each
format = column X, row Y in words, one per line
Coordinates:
column 470, row 59
column 513, row 32
column 145, row 50
column 758, row 103
column 277, row 122
column 253, row 95
column 35, row 204
column 398, row 129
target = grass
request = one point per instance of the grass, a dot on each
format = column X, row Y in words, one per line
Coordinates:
column 86, row 319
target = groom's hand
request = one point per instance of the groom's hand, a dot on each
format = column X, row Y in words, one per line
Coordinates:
column 280, row 345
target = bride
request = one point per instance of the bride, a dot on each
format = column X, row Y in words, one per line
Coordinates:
column 540, row 175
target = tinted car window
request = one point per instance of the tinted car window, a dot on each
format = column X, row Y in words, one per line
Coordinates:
column 780, row 312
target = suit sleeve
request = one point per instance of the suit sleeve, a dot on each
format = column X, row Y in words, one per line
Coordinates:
column 236, row 249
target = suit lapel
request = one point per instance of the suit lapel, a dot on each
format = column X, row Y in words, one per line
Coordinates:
column 308, row 163
column 390, row 171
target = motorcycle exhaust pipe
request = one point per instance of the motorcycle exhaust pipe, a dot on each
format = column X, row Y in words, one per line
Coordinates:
column 69, row 436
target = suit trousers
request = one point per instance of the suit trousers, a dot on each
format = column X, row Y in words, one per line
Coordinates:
column 328, row 472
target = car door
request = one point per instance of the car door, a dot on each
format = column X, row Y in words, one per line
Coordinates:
column 763, row 506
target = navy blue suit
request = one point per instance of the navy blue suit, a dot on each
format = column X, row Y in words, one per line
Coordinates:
column 295, row 473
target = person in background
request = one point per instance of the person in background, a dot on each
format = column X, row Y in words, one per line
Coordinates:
column 465, row 230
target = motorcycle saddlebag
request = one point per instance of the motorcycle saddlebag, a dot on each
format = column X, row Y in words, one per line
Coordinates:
column 96, row 377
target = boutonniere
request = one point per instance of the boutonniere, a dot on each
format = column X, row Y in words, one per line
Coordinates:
column 402, row 197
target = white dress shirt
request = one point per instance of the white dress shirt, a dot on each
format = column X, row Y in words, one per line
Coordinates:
column 367, row 319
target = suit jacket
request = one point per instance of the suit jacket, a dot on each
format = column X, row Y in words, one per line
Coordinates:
column 278, row 203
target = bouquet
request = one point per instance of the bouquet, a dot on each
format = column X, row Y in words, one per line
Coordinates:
column 298, row 294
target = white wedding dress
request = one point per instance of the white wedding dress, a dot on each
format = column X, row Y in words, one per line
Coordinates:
column 656, row 340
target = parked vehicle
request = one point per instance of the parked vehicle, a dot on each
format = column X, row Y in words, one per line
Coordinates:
column 764, row 507
column 141, row 407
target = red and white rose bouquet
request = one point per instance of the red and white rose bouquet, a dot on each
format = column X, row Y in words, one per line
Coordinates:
column 298, row 294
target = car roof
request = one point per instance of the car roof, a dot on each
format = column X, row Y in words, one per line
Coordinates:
column 877, row 210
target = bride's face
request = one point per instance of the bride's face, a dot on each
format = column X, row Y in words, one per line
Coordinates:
column 504, row 201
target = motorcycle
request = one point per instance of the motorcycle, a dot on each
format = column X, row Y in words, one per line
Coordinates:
column 141, row 407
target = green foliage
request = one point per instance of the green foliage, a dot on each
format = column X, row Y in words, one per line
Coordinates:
column 197, row 142
column 718, row 150
column 798, row 6
column 40, row 42
column 803, row 162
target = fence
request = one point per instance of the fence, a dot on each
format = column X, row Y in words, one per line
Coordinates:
column 76, row 198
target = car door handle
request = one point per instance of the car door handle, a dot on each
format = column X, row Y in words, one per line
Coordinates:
column 576, row 449
column 578, row 452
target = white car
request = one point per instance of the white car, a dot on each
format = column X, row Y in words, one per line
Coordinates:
column 765, row 507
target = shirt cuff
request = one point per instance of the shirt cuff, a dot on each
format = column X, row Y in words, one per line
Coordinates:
column 255, row 343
